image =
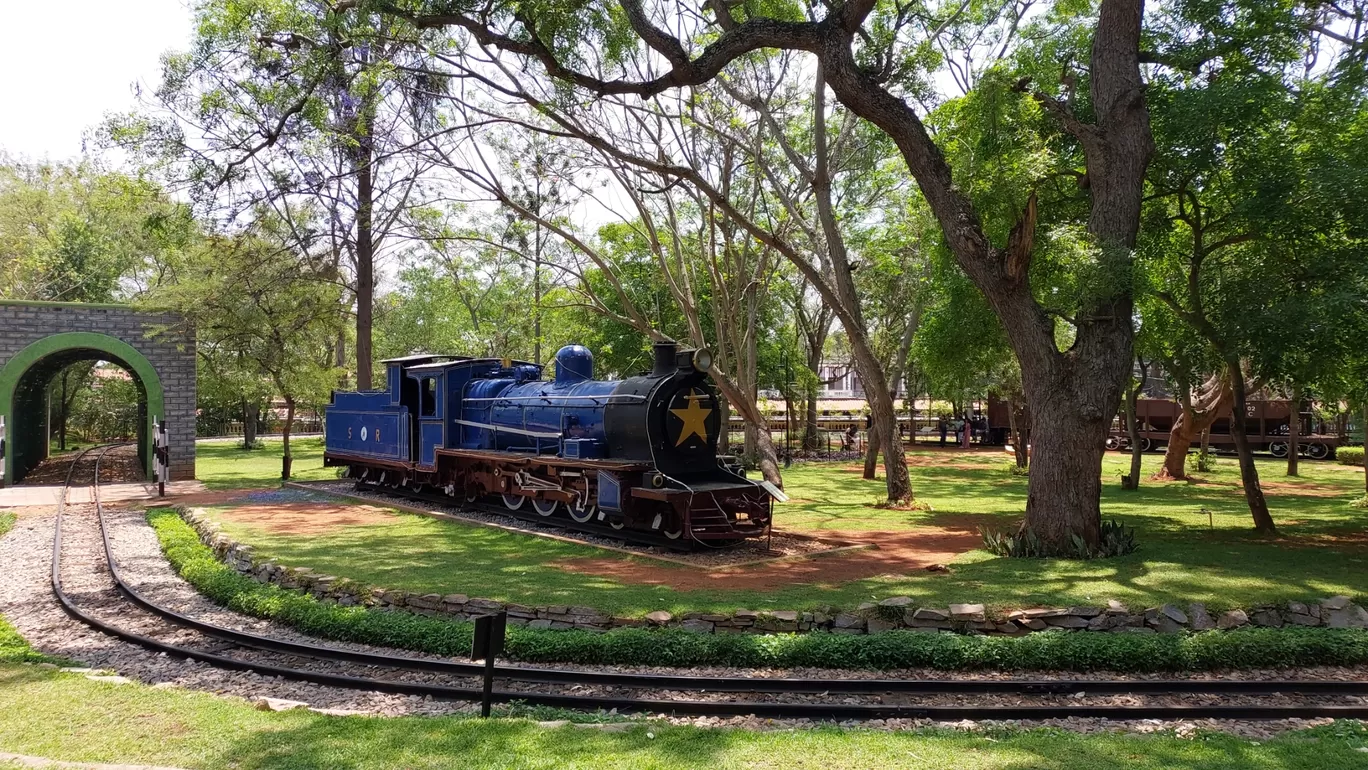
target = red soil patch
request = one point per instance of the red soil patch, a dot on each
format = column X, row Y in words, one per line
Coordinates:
column 206, row 498
column 306, row 518
column 897, row 553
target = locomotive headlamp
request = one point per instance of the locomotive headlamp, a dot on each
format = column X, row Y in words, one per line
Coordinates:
column 702, row 359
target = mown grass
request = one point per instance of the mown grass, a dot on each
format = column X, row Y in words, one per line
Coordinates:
column 1244, row 648
column 225, row 465
column 1186, row 554
column 62, row 716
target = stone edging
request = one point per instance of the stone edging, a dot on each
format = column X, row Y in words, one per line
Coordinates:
column 897, row 612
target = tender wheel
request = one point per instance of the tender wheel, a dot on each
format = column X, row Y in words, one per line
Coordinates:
column 675, row 535
column 1112, row 443
column 617, row 523
column 1145, row 444
column 583, row 516
column 472, row 494
column 1278, row 448
column 542, row 507
column 1318, row 451
column 513, row 502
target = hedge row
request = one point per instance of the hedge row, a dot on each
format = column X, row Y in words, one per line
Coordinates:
column 1065, row 651
column 1349, row 455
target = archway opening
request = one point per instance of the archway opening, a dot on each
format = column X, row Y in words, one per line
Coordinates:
column 26, row 389
column 73, row 398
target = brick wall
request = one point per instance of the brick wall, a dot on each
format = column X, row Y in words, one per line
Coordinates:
column 172, row 355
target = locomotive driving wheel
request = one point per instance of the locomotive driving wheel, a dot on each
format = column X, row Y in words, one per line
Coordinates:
column 583, row 515
column 1278, row 448
column 544, row 507
column 513, row 502
column 1318, row 451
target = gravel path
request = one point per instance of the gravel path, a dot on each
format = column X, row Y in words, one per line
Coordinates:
column 26, row 600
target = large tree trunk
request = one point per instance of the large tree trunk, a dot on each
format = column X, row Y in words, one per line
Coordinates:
column 1132, row 481
column 871, row 463
column 1249, row 474
column 812, row 440
column 1066, row 479
column 1293, row 435
column 1016, row 425
column 1198, row 414
column 287, row 459
column 251, row 415
column 365, row 251
column 757, row 428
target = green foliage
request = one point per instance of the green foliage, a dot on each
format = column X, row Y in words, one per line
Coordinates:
column 266, row 313
column 1115, row 540
column 1349, row 455
column 1201, row 462
column 7, row 520
column 76, row 233
column 1245, row 648
column 1359, row 502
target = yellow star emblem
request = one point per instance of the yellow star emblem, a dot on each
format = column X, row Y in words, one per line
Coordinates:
column 693, row 416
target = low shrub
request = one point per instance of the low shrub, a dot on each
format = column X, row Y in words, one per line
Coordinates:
column 1359, row 502
column 1349, row 455
column 1063, row 651
column 1115, row 540
column 7, row 522
column 1200, row 462
column 1012, row 469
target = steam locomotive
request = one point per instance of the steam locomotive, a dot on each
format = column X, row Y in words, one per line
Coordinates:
column 638, row 454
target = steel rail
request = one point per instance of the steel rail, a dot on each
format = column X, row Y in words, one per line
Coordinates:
column 689, row 684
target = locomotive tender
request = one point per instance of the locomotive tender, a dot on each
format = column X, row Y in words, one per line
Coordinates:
column 638, row 454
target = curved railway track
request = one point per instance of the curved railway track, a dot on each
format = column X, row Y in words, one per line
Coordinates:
column 234, row 649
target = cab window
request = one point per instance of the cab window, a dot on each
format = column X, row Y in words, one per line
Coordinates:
column 428, row 390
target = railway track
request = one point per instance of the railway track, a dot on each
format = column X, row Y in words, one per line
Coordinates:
column 176, row 634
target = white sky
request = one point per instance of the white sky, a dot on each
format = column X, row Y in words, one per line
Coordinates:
column 63, row 66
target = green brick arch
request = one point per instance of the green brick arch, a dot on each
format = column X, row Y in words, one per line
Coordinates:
column 55, row 351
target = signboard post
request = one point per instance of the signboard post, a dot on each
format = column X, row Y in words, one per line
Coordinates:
column 489, row 643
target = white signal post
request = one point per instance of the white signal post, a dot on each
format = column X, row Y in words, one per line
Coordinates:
column 161, row 454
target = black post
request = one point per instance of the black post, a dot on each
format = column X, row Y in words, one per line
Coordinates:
column 489, row 642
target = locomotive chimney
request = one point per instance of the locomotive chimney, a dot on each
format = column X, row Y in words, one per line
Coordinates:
column 664, row 358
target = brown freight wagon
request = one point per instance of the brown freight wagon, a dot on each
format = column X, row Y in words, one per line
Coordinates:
column 1266, row 423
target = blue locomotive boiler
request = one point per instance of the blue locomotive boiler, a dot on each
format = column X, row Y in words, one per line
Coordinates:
column 638, row 454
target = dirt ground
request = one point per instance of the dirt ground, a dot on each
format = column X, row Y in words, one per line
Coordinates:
column 306, row 518
column 897, row 553
column 121, row 464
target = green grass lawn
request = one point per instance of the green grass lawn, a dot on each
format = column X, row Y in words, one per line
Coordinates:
column 64, row 716
column 225, row 465
column 1185, row 554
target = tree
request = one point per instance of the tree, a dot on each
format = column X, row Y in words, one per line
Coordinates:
column 253, row 299
column 1256, row 254
column 302, row 108
column 1073, row 392
column 76, row 233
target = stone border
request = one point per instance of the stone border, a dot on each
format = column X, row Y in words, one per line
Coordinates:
column 893, row 613
column 841, row 546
